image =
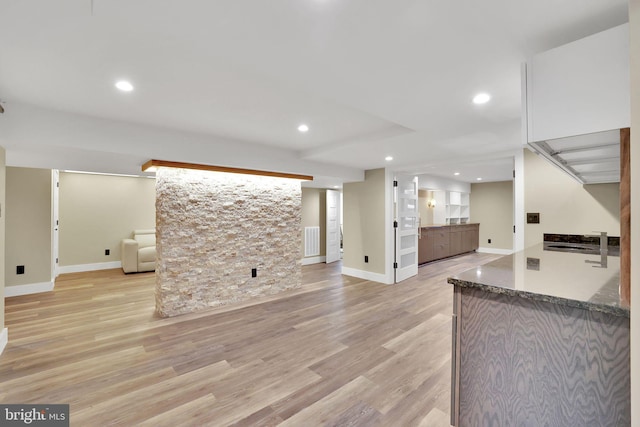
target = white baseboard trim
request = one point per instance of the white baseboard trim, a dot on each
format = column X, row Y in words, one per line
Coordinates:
column 31, row 288
column 4, row 339
column 63, row 269
column 314, row 260
column 495, row 251
column 366, row 275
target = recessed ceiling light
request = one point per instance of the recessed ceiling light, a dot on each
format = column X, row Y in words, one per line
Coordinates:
column 124, row 86
column 388, row 158
column 478, row 179
column 336, row 186
column 303, row 128
column 456, row 173
column 481, row 98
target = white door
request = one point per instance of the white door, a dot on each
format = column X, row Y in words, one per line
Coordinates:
column 55, row 188
column 333, row 226
column 407, row 214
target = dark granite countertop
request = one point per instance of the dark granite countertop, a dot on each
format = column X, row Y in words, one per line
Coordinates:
column 557, row 277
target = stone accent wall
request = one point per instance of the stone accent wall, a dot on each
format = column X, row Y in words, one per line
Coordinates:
column 213, row 228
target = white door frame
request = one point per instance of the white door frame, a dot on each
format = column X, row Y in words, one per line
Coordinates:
column 55, row 223
column 406, row 225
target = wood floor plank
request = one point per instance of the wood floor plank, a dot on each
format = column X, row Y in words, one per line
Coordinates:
column 43, row 381
column 410, row 410
column 306, row 396
column 359, row 414
column 322, row 411
column 415, row 339
column 265, row 417
column 174, row 392
column 435, row 418
column 232, row 408
column 337, row 351
column 191, row 413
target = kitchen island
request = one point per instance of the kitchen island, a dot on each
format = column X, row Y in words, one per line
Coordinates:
column 541, row 337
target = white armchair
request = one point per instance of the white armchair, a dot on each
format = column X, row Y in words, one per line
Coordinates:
column 139, row 254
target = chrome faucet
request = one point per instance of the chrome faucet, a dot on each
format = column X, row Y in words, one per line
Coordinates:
column 604, row 249
column 604, row 240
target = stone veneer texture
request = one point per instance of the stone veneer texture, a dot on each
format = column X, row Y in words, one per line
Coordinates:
column 212, row 228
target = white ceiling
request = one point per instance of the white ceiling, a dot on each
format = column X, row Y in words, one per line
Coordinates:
column 218, row 81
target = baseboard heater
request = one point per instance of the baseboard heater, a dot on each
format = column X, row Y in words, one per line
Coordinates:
column 311, row 241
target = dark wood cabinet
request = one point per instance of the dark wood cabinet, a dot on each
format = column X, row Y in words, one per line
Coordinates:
column 425, row 246
column 470, row 238
column 455, row 241
column 439, row 242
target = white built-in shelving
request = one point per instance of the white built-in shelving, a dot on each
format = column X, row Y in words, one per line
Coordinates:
column 456, row 207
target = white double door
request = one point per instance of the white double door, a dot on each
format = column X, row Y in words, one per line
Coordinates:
column 333, row 226
column 406, row 225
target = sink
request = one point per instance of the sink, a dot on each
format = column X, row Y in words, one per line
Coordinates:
column 580, row 244
column 572, row 247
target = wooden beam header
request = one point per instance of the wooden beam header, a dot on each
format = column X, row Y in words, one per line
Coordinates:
column 181, row 165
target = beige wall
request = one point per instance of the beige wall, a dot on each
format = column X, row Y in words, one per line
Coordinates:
column 634, row 21
column 566, row 206
column 314, row 214
column 491, row 204
column 2, row 234
column 364, row 228
column 28, row 225
column 98, row 211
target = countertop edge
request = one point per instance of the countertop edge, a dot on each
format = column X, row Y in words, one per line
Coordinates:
column 586, row 305
column 448, row 225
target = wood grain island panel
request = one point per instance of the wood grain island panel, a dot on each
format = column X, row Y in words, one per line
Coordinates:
column 542, row 343
column 534, row 363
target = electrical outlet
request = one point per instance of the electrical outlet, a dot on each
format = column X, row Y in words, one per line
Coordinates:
column 366, row 258
column 107, row 252
column 254, row 272
column 533, row 264
column 533, row 217
column 488, row 240
column 20, row 269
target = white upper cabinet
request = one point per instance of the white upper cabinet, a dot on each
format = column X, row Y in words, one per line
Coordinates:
column 579, row 88
column 457, row 207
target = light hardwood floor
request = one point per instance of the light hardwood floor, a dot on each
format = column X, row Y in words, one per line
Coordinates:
column 339, row 351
